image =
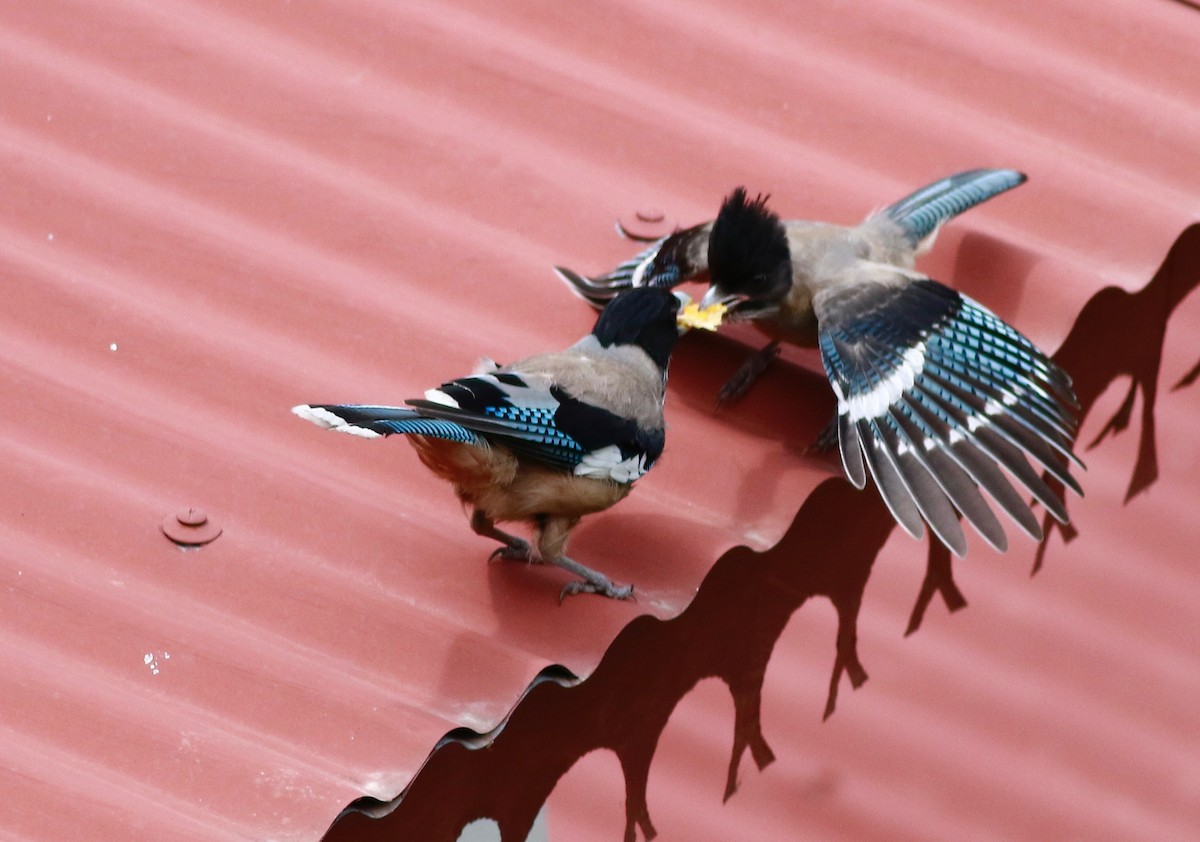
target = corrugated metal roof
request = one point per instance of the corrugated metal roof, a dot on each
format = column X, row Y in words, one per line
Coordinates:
column 215, row 211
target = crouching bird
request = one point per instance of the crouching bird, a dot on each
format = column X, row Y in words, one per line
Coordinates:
column 935, row 394
column 545, row 440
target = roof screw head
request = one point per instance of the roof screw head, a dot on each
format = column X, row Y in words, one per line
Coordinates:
column 192, row 517
column 190, row 527
column 646, row 224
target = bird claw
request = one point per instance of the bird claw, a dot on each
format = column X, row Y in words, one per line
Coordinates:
column 744, row 377
column 601, row 588
column 518, row 550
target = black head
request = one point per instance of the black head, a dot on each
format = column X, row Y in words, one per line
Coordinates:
column 681, row 257
column 643, row 316
column 748, row 255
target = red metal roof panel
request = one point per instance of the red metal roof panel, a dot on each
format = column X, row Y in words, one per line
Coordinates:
column 215, row 211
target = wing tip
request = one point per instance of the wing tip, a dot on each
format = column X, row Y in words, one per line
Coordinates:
column 318, row 415
column 590, row 290
column 327, row 419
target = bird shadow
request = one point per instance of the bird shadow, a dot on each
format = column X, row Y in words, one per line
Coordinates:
column 626, row 703
column 739, row 613
column 1122, row 334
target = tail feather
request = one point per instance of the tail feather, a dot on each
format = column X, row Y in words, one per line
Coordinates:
column 922, row 212
column 375, row 421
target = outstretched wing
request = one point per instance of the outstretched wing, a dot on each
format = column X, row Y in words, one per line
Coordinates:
column 936, row 394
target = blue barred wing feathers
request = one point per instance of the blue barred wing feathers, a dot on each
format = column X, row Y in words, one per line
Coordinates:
column 934, row 393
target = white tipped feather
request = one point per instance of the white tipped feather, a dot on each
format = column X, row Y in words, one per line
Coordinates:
column 327, row 420
column 438, row 396
column 323, row 418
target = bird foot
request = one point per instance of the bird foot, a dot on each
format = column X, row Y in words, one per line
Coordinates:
column 605, row 588
column 744, row 377
column 516, row 549
column 590, row 581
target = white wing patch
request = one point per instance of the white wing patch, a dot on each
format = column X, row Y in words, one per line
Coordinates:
column 875, row 403
column 607, row 463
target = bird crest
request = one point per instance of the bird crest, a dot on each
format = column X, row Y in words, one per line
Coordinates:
column 748, row 252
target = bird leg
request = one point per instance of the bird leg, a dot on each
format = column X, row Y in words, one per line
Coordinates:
column 744, row 377
column 517, row 549
column 552, row 534
column 590, row 581
column 826, row 440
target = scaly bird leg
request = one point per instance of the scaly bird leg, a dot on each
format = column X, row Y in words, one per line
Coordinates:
column 590, row 581
column 552, row 534
column 517, row 549
column 741, row 381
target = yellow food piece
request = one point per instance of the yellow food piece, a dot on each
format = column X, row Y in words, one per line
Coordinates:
column 707, row 319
